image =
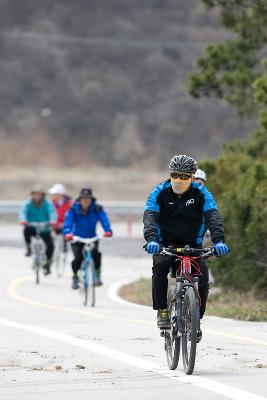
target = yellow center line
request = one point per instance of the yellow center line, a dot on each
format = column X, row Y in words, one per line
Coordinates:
column 12, row 291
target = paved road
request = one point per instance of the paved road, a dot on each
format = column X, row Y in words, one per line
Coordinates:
column 51, row 347
column 121, row 245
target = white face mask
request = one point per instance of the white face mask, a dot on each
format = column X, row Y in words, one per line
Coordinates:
column 179, row 186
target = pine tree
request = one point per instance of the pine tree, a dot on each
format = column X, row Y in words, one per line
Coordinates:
column 236, row 72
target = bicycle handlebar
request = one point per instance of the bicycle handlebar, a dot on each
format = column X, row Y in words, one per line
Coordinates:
column 85, row 240
column 187, row 250
column 38, row 224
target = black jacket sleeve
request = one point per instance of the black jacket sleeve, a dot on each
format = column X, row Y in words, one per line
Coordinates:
column 151, row 219
column 213, row 221
column 151, row 215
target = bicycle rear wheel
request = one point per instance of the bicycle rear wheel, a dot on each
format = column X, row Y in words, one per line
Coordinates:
column 60, row 256
column 57, row 262
column 191, row 323
column 61, row 264
column 172, row 341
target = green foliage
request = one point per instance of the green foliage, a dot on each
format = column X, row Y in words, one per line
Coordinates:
column 239, row 181
column 235, row 72
column 229, row 69
column 238, row 305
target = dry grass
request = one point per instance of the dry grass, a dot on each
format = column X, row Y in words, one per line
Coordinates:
column 137, row 292
column 241, row 306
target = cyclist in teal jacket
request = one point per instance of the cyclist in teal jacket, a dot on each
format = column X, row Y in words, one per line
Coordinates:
column 39, row 209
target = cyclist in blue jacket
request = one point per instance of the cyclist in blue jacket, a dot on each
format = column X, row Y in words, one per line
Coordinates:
column 81, row 220
column 177, row 212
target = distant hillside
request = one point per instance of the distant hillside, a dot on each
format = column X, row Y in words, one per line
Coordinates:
column 103, row 82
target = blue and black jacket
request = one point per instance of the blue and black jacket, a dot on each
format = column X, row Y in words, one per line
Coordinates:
column 82, row 223
column 170, row 218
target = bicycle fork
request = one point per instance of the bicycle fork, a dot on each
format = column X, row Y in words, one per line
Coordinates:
column 182, row 287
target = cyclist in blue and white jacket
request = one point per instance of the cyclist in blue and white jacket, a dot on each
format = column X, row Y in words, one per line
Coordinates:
column 177, row 212
column 81, row 220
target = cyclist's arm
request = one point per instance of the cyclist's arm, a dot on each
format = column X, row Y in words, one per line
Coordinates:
column 151, row 217
column 212, row 217
column 104, row 220
column 23, row 214
column 68, row 222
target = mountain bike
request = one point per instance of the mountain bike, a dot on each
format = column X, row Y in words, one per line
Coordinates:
column 61, row 251
column 88, row 271
column 38, row 249
column 184, row 307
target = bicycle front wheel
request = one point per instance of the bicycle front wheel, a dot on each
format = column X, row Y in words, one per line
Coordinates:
column 36, row 268
column 91, row 285
column 189, row 336
column 84, row 287
column 57, row 263
column 60, row 256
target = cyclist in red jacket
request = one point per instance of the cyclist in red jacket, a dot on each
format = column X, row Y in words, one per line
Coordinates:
column 62, row 204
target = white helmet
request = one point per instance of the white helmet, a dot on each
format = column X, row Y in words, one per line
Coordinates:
column 57, row 188
column 200, row 174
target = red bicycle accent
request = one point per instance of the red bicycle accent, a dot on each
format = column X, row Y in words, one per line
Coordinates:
column 184, row 306
column 185, row 270
column 185, row 267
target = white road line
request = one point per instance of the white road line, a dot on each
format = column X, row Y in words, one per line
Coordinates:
column 222, row 389
column 113, row 295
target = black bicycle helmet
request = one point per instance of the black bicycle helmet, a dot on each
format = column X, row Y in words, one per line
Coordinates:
column 183, row 163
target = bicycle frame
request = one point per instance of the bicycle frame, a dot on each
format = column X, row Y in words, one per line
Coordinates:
column 38, row 248
column 184, row 279
column 38, row 245
column 88, row 260
column 87, row 269
column 184, row 306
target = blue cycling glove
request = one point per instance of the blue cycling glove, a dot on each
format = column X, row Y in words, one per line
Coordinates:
column 153, row 247
column 221, row 248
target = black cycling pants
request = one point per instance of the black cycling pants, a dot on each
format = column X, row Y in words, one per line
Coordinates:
column 161, row 267
column 77, row 249
column 30, row 231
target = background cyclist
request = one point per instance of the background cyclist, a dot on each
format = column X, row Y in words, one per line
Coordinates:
column 177, row 212
column 200, row 177
column 81, row 220
column 39, row 209
column 62, row 204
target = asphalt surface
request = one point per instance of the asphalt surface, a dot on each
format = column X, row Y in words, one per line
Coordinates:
column 51, row 347
column 121, row 245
